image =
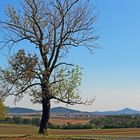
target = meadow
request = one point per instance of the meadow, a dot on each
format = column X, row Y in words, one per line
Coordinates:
column 24, row 132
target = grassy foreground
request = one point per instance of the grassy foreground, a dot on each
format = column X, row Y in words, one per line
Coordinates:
column 21, row 132
column 24, row 132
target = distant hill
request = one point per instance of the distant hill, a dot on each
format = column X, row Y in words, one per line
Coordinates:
column 57, row 110
column 16, row 110
column 64, row 110
column 125, row 111
column 61, row 110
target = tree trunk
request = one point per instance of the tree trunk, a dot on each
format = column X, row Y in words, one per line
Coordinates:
column 45, row 116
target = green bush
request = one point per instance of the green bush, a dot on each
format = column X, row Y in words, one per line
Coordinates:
column 118, row 121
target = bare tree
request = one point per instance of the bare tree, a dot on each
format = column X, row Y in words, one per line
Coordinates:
column 52, row 27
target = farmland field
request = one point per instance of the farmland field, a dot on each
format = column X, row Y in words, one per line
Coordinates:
column 58, row 121
column 20, row 132
column 61, row 121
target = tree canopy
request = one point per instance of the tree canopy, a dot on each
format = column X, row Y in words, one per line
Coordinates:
column 52, row 28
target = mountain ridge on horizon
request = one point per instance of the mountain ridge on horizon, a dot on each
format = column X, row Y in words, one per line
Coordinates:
column 61, row 110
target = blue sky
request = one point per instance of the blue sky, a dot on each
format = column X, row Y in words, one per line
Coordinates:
column 112, row 74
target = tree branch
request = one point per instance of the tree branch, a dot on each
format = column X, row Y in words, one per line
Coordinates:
column 23, row 90
column 63, row 63
column 67, row 102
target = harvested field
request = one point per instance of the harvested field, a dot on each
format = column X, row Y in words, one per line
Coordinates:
column 119, row 132
column 16, row 129
column 61, row 121
column 113, row 132
column 20, row 132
